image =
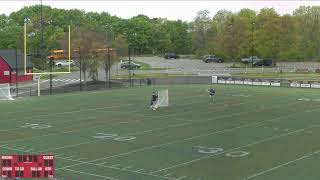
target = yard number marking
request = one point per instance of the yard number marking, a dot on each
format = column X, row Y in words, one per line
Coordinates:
column 237, row 154
column 206, row 150
column 35, row 126
column 307, row 99
column 114, row 137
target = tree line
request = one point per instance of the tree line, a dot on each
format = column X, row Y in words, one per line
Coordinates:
column 231, row 35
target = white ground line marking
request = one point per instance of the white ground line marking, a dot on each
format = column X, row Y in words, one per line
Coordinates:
column 102, row 163
column 230, row 150
column 67, row 112
column 165, row 115
column 186, row 139
column 139, row 170
column 80, row 129
column 31, row 117
column 80, row 159
column 182, row 177
column 128, row 167
column 167, row 175
column 143, row 132
column 91, row 174
column 282, row 165
column 68, row 157
column 110, row 167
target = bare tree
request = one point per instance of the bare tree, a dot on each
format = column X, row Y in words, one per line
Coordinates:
column 87, row 41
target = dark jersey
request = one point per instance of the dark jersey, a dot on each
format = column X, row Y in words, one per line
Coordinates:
column 154, row 97
column 212, row 91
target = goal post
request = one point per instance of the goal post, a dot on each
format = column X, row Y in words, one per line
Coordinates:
column 163, row 98
column 5, row 93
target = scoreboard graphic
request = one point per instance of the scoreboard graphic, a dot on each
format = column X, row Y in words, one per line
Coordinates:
column 27, row 166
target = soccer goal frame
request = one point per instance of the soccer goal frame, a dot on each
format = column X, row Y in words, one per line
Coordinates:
column 5, row 93
column 164, row 101
column 45, row 73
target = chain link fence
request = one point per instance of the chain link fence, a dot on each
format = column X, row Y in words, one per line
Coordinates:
column 126, row 83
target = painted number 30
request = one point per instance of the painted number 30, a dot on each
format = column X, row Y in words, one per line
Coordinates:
column 114, row 137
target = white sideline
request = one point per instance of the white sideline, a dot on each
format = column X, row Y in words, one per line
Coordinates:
column 284, row 164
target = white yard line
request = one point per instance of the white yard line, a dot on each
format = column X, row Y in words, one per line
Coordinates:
column 182, row 177
column 71, row 112
column 156, row 129
column 282, row 165
column 181, row 140
column 110, row 167
column 142, row 132
column 240, row 147
column 206, row 157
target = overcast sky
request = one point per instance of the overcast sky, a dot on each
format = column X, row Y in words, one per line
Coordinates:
column 173, row 10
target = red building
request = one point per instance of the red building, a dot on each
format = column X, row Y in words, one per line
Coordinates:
column 12, row 61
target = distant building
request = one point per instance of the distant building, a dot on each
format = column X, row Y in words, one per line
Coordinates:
column 10, row 61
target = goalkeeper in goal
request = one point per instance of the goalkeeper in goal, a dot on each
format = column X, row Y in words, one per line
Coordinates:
column 159, row 99
column 153, row 103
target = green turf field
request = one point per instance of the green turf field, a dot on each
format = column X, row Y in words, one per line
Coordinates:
column 248, row 132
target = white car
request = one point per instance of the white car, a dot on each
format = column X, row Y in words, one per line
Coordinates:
column 64, row 63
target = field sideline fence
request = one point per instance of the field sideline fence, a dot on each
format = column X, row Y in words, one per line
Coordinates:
column 125, row 83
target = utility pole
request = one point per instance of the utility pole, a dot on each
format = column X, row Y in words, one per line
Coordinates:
column 252, row 45
column 80, row 60
column 109, row 66
column 41, row 34
column 129, row 49
column 16, row 53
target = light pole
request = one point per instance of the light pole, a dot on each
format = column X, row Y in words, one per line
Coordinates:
column 252, row 46
column 129, row 49
column 80, row 68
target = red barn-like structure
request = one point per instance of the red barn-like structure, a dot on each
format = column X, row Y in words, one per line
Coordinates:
column 12, row 61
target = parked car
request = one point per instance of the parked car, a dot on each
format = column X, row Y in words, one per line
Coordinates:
column 212, row 58
column 251, row 59
column 264, row 62
column 171, row 56
column 63, row 63
column 129, row 64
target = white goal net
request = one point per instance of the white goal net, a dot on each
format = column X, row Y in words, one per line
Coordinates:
column 163, row 98
column 5, row 92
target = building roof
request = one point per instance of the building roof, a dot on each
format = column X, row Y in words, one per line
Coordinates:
column 10, row 57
